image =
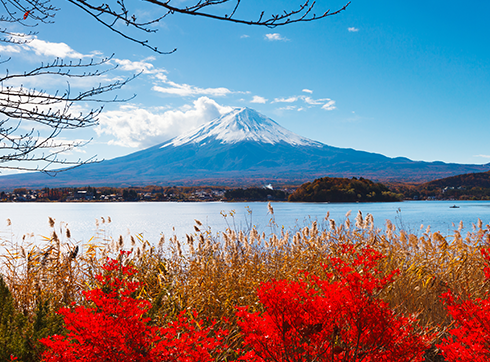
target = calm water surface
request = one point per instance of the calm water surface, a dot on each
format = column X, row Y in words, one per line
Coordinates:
column 151, row 220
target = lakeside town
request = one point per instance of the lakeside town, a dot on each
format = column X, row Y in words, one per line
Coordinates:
column 113, row 194
column 147, row 193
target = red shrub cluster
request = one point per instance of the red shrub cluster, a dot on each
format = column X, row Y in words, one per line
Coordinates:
column 115, row 328
column 337, row 317
column 470, row 338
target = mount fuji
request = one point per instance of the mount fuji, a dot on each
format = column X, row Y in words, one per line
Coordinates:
column 242, row 147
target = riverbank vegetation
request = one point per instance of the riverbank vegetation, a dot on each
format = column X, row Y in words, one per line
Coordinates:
column 206, row 277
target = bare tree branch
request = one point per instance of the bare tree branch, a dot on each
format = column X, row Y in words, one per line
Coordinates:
column 302, row 14
column 97, row 13
column 24, row 108
column 110, row 16
column 19, row 11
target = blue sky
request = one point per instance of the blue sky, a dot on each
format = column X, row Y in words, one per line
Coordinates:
column 399, row 78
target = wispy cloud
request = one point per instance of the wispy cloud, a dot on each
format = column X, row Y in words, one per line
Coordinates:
column 482, row 156
column 288, row 108
column 329, row 106
column 9, row 49
column 185, row 90
column 258, row 99
column 326, row 103
column 307, row 91
column 133, row 126
column 353, row 29
column 244, row 36
column 50, row 49
column 44, row 48
column 315, row 102
column 163, row 85
column 286, row 100
column 275, row 37
column 137, row 66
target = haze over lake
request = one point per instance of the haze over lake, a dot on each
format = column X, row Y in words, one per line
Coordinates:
column 151, row 220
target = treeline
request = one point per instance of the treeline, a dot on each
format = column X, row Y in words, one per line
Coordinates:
column 334, row 189
column 472, row 186
column 255, row 194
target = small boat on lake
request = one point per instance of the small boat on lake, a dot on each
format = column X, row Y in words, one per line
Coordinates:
column 454, row 207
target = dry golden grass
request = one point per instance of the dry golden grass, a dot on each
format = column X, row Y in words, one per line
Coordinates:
column 213, row 273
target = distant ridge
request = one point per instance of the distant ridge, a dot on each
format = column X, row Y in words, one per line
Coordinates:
column 469, row 180
column 241, row 148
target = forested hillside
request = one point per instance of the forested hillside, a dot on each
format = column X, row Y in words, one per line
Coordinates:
column 333, row 189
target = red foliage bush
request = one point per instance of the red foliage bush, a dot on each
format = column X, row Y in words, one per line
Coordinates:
column 335, row 318
column 338, row 317
column 115, row 329
column 470, row 339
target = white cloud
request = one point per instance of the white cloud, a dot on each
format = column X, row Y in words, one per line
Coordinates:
column 244, row 36
column 143, row 65
column 137, row 127
column 286, row 100
column 327, row 103
column 329, row 106
column 185, row 90
column 43, row 48
column 483, row 156
column 275, row 37
column 287, row 108
column 314, row 102
column 50, row 49
column 307, row 91
column 353, row 30
column 258, row 99
column 9, row 49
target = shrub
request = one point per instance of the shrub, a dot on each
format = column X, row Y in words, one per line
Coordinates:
column 115, row 328
column 337, row 317
column 12, row 325
column 19, row 334
column 470, row 338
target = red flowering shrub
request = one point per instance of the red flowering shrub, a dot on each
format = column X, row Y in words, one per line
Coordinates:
column 115, row 329
column 470, row 339
column 335, row 318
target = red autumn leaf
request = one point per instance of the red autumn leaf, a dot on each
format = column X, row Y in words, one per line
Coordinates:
column 26, row 14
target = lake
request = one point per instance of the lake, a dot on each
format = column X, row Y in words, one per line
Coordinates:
column 152, row 219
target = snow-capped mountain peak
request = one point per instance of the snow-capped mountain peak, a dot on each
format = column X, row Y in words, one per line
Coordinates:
column 241, row 124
